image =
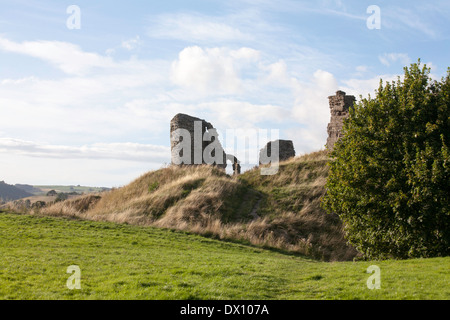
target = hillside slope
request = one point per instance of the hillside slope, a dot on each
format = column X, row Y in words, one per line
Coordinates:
column 9, row 192
column 29, row 188
column 280, row 211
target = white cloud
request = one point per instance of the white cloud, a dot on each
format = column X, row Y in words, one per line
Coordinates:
column 408, row 18
column 33, row 170
column 194, row 28
column 306, row 140
column 134, row 100
column 233, row 114
column 117, row 151
column 277, row 74
column 132, row 43
column 361, row 68
column 212, row 70
column 91, row 106
column 311, row 105
column 110, row 51
column 367, row 86
column 66, row 56
column 388, row 58
column 364, row 87
column 311, row 110
column 17, row 81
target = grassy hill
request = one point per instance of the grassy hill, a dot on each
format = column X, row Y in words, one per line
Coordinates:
column 120, row 261
column 280, row 211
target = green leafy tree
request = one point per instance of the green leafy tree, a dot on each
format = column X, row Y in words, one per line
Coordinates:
column 390, row 172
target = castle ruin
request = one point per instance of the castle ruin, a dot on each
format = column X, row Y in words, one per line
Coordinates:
column 285, row 150
column 194, row 141
column 339, row 108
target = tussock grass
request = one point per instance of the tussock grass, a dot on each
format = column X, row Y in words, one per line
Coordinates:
column 73, row 207
column 279, row 211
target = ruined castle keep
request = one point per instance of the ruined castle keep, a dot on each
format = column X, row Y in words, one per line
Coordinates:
column 194, row 141
column 339, row 106
column 285, row 150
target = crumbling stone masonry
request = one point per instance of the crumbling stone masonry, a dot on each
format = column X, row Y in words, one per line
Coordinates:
column 202, row 140
column 339, row 106
column 285, row 149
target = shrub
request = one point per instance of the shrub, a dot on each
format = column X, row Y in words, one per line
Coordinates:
column 61, row 197
column 390, row 172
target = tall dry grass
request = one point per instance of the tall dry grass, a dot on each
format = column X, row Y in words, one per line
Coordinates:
column 204, row 200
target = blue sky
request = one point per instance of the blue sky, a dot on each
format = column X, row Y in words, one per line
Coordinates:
column 92, row 106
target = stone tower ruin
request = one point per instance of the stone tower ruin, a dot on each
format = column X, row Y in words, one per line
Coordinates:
column 339, row 106
column 202, row 138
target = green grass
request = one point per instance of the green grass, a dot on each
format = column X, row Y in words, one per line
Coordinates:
column 120, row 261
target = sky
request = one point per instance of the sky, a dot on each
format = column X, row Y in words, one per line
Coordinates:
column 88, row 88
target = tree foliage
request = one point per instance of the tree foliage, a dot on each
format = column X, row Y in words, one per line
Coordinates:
column 390, row 172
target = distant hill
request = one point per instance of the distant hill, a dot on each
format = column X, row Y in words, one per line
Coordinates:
column 67, row 189
column 9, row 192
column 29, row 188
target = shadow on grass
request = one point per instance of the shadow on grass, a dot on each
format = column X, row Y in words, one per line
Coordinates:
column 247, row 243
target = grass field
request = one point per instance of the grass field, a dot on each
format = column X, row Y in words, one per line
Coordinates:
column 58, row 188
column 120, row 261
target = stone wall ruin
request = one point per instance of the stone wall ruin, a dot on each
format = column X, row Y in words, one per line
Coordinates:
column 285, row 151
column 339, row 107
column 194, row 141
column 203, row 146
